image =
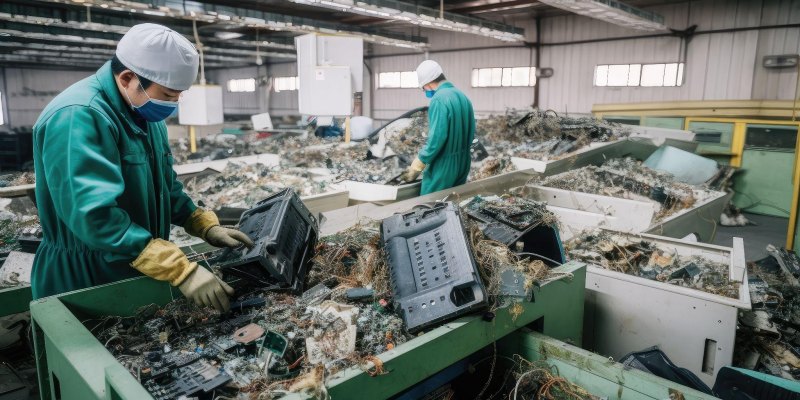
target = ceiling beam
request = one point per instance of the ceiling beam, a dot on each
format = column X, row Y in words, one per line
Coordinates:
column 243, row 17
column 423, row 16
column 113, row 27
column 493, row 7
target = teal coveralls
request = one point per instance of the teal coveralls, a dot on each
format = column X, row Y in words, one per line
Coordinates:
column 451, row 123
column 104, row 187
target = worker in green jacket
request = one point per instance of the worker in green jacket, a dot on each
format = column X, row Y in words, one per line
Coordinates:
column 105, row 187
column 445, row 158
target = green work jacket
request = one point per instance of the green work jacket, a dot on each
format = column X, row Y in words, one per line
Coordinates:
column 451, row 122
column 104, row 187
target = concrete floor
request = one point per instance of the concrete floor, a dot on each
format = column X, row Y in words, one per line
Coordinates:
column 768, row 230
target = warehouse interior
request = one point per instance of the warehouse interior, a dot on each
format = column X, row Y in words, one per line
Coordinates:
column 399, row 199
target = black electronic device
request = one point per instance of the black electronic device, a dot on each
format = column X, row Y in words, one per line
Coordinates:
column 520, row 231
column 434, row 275
column 29, row 238
column 193, row 379
column 285, row 235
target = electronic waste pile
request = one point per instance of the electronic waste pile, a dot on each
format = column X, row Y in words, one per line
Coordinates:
column 640, row 257
column 306, row 308
column 629, row 179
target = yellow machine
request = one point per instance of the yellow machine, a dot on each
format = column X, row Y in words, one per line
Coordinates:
column 758, row 136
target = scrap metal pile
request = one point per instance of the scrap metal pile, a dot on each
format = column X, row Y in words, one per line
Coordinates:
column 639, row 257
column 353, row 305
column 242, row 185
column 768, row 336
column 544, row 135
column 627, row 178
column 17, row 179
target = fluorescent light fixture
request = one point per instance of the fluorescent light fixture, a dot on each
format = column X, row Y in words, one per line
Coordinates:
column 423, row 16
column 613, row 12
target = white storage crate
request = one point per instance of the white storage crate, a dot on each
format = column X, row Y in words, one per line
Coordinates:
column 626, row 313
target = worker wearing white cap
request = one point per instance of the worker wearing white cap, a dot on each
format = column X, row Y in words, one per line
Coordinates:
column 105, row 187
column 445, row 158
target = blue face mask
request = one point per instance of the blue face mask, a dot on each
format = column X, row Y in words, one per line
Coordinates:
column 429, row 93
column 154, row 110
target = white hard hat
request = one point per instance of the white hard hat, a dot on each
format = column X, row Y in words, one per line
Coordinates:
column 428, row 71
column 159, row 54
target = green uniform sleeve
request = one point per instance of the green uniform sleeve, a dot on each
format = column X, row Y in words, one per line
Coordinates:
column 437, row 132
column 83, row 171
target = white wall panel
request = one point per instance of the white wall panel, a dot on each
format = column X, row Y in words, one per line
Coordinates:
column 30, row 90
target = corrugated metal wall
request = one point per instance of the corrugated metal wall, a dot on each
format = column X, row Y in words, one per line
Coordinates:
column 718, row 66
column 247, row 103
column 27, row 91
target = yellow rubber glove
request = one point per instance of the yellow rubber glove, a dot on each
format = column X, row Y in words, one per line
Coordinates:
column 413, row 171
column 200, row 222
column 205, row 289
column 164, row 261
column 205, row 225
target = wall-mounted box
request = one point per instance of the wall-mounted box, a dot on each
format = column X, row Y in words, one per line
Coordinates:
column 201, row 105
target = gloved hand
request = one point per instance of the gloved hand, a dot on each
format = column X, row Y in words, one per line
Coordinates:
column 225, row 237
column 413, row 171
column 205, row 289
column 205, row 225
column 164, row 261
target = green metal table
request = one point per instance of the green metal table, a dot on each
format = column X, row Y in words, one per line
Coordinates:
column 73, row 364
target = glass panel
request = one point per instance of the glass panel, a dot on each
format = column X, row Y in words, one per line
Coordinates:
column 408, row 79
column 664, row 122
column 242, row 85
column 670, row 74
column 506, row 77
column 623, row 120
column 653, row 75
column 520, row 76
column 533, row 76
column 497, row 77
column 389, row 80
column 601, row 75
column 680, row 74
column 771, row 137
column 618, row 75
column 2, row 117
column 475, row 77
column 485, row 77
column 717, row 134
column 634, row 74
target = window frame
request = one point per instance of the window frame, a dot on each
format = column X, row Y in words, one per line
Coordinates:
column 505, row 78
column 289, row 88
column 401, row 82
column 243, row 83
column 641, row 74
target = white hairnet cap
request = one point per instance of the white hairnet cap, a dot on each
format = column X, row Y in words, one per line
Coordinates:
column 159, row 54
column 428, row 71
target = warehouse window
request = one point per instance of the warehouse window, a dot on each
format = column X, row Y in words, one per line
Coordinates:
column 647, row 75
column 500, row 77
column 242, row 85
column 286, row 83
column 398, row 80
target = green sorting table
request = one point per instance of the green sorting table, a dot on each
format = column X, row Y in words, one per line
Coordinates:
column 14, row 300
column 73, row 364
